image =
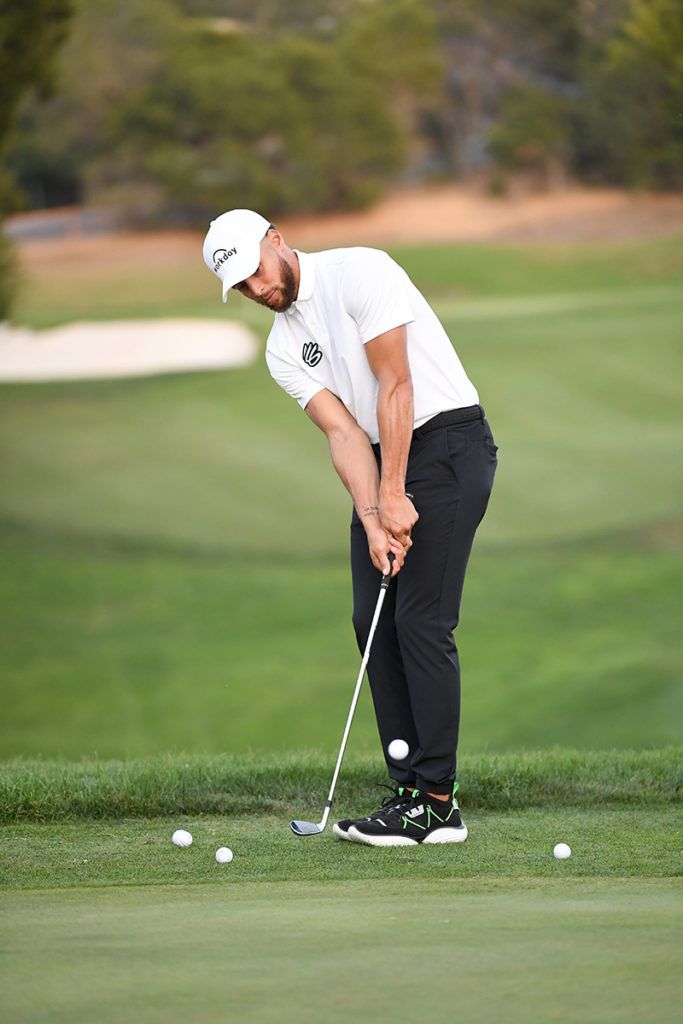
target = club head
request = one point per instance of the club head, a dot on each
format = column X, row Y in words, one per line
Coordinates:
column 305, row 828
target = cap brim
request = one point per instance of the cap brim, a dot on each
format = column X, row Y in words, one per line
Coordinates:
column 241, row 266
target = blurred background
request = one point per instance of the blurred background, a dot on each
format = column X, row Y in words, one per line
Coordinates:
column 173, row 546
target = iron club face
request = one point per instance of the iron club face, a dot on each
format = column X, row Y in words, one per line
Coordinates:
column 305, row 828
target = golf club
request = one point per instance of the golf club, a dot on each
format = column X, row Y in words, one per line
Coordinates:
column 309, row 828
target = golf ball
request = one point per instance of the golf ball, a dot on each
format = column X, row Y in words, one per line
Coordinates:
column 562, row 851
column 398, row 750
column 224, row 855
column 182, row 838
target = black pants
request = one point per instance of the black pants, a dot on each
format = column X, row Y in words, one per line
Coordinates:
column 413, row 670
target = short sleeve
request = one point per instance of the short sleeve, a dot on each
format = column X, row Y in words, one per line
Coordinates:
column 292, row 378
column 375, row 291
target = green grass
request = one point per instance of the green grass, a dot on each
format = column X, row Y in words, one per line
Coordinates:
column 174, row 587
column 530, row 952
column 173, row 550
column 297, row 785
column 492, row 270
column 142, row 649
column 106, row 919
column 576, row 403
column 610, row 842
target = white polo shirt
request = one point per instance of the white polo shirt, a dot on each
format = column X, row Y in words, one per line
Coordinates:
column 346, row 298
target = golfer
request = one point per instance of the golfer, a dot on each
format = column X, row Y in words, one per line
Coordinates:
column 362, row 352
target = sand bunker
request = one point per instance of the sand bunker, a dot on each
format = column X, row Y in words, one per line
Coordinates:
column 124, row 348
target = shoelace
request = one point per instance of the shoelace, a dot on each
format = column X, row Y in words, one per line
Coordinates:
column 414, row 798
column 395, row 792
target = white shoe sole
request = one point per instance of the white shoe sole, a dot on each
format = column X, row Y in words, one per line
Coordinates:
column 340, row 833
column 440, row 835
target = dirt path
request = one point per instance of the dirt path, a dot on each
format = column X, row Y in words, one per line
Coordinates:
column 443, row 214
column 456, row 214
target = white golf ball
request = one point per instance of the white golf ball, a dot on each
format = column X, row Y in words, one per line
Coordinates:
column 224, row 855
column 398, row 750
column 562, row 851
column 182, row 838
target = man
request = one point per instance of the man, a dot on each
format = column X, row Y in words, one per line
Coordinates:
column 362, row 352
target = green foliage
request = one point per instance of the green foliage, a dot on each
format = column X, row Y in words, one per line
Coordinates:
column 64, row 150
column 393, row 44
column 30, row 36
column 630, row 128
column 180, row 107
column 532, row 133
column 8, row 276
column 617, row 118
column 273, row 124
column 195, row 118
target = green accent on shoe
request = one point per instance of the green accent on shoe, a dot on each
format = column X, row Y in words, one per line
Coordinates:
column 431, row 814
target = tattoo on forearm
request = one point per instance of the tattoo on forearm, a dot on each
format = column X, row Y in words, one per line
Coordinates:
column 370, row 510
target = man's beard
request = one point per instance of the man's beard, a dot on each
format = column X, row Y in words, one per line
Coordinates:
column 287, row 288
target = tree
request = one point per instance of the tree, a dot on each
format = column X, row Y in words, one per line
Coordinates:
column 31, row 33
column 192, row 114
column 630, row 127
column 533, row 133
column 244, row 120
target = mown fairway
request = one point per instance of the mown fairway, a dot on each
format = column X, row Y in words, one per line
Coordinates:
column 174, row 550
column 174, row 589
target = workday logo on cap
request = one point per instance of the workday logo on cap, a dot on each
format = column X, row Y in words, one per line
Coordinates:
column 222, row 256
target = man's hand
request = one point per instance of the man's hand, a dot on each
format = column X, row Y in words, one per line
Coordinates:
column 380, row 546
column 397, row 516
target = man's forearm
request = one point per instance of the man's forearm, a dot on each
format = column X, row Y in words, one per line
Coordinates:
column 395, row 420
column 356, row 467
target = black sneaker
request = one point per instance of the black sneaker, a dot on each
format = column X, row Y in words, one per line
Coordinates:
column 401, row 797
column 422, row 820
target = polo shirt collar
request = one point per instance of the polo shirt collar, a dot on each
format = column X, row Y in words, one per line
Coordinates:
column 306, row 276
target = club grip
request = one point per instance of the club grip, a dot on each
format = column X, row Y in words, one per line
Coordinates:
column 386, row 580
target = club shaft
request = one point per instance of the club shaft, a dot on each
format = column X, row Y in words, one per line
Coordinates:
column 356, row 694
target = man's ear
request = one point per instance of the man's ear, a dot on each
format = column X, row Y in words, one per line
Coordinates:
column 275, row 238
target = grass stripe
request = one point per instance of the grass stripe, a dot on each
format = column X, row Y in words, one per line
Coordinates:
column 34, row 790
column 506, row 307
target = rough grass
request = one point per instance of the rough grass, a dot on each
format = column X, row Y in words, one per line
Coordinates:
column 44, row 791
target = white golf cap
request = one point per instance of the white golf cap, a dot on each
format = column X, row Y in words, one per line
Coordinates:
column 232, row 247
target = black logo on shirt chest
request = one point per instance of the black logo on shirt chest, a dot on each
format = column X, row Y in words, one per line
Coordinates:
column 312, row 353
